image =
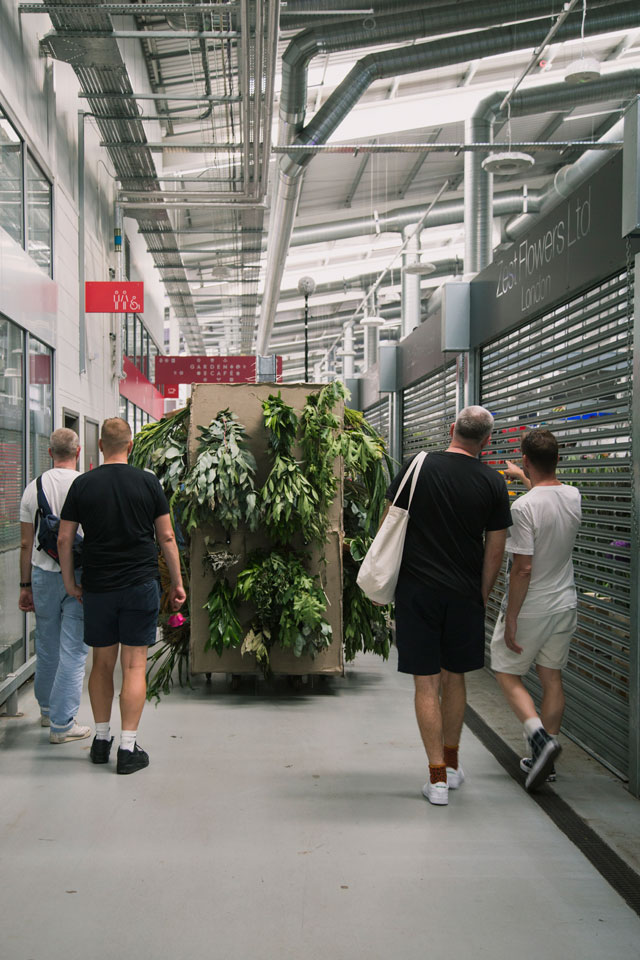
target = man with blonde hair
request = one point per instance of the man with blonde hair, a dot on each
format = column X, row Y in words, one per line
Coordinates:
column 453, row 550
column 123, row 511
column 60, row 650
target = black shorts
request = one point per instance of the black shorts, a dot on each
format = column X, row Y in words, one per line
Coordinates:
column 437, row 629
column 128, row 616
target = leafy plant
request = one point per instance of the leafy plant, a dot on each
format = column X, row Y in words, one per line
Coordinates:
column 289, row 602
column 162, row 447
column 321, row 446
column 288, row 503
column 172, row 655
column 220, row 486
column 282, row 423
column 225, row 630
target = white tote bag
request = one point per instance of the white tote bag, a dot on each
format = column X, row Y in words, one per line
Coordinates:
column 378, row 574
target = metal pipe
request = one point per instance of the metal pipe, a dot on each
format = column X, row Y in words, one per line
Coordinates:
column 391, row 63
column 410, row 297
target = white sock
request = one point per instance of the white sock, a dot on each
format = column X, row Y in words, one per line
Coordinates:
column 531, row 725
column 128, row 739
column 102, row 731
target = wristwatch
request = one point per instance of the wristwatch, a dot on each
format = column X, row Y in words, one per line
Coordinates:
column 25, row 583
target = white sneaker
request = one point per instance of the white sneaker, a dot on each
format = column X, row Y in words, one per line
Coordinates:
column 44, row 720
column 437, row 793
column 455, row 778
column 76, row 732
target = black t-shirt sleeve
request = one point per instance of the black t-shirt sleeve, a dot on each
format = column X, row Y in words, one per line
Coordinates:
column 161, row 503
column 500, row 517
column 70, row 507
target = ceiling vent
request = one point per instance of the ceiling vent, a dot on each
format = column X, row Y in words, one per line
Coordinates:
column 582, row 71
column 422, row 269
column 507, row 164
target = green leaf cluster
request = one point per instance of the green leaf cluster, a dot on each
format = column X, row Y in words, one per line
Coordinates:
column 219, row 486
column 289, row 603
column 282, row 423
column 162, row 447
column 289, row 503
column 225, row 630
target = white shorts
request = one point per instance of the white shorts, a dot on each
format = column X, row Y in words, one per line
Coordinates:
column 544, row 640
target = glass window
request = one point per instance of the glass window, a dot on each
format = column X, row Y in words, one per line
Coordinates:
column 38, row 215
column 40, row 407
column 11, row 209
column 153, row 353
column 91, row 449
column 12, row 646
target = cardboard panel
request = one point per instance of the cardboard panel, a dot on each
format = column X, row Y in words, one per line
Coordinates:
column 245, row 401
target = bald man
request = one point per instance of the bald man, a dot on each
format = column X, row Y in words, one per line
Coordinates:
column 453, row 551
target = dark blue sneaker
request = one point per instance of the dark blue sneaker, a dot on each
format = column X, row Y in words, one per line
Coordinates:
column 100, row 750
column 544, row 750
column 129, row 761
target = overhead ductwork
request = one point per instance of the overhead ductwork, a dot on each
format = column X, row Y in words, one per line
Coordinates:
column 393, row 63
column 480, row 129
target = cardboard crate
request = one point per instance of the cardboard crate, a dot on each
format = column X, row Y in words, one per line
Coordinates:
column 245, row 400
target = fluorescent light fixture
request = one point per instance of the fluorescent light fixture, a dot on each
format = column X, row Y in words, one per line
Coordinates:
column 507, row 163
column 582, row 71
column 422, row 268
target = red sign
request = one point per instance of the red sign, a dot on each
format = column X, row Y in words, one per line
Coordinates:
column 113, row 296
column 172, row 371
column 140, row 391
column 40, row 368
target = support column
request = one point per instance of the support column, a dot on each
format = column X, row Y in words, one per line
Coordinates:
column 410, row 291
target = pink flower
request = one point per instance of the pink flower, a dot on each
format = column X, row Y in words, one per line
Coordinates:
column 176, row 620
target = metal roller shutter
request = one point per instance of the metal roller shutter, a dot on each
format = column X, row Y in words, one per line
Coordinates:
column 377, row 416
column 570, row 370
column 429, row 409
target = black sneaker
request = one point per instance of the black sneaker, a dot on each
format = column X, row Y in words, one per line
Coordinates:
column 544, row 750
column 129, row 761
column 100, row 750
column 525, row 764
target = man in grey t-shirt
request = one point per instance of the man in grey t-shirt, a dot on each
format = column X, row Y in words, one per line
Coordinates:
column 539, row 614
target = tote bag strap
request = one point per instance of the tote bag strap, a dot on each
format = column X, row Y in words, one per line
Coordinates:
column 412, row 472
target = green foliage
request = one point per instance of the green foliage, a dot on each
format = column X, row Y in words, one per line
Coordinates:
column 367, row 471
column 321, row 446
column 225, row 630
column 162, row 447
column 219, row 486
column 289, row 603
column 289, row 504
column 281, row 422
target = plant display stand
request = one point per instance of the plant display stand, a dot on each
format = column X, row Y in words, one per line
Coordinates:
column 245, row 400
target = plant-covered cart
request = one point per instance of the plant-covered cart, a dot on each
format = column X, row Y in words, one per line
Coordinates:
column 274, row 506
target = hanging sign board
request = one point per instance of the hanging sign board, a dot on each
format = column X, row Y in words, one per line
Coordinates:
column 172, row 371
column 113, row 296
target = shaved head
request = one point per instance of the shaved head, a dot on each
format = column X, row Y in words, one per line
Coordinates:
column 115, row 436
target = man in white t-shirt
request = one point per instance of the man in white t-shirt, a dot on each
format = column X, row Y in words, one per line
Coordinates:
column 539, row 612
column 60, row 649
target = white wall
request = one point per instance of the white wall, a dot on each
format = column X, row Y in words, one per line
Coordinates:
column 40, row 97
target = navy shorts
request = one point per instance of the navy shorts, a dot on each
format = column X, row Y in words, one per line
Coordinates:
column 437, row 629
column 128, row 616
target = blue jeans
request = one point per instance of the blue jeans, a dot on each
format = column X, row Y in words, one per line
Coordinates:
column 60, row 649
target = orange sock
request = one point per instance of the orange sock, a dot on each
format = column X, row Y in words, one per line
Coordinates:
column 451, row 756
column 438, row 772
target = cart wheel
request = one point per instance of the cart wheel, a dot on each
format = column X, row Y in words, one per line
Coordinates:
column 208, row 677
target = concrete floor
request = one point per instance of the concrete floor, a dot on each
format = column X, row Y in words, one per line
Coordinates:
column 286, row 826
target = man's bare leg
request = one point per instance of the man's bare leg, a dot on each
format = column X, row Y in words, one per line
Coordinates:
column 133, row 661
column 454, row 700
column 552, row 706
column 517, row 696
column 101, row 682
column 429, row 716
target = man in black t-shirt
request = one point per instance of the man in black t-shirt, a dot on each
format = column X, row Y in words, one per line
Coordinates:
column 122, row 511
column 452, row 554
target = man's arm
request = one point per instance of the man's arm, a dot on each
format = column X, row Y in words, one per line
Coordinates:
column 25, row 601
column 514, row 472
column 518, row 586
column 167, row 541
column 66, row 536
column 494, row 542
